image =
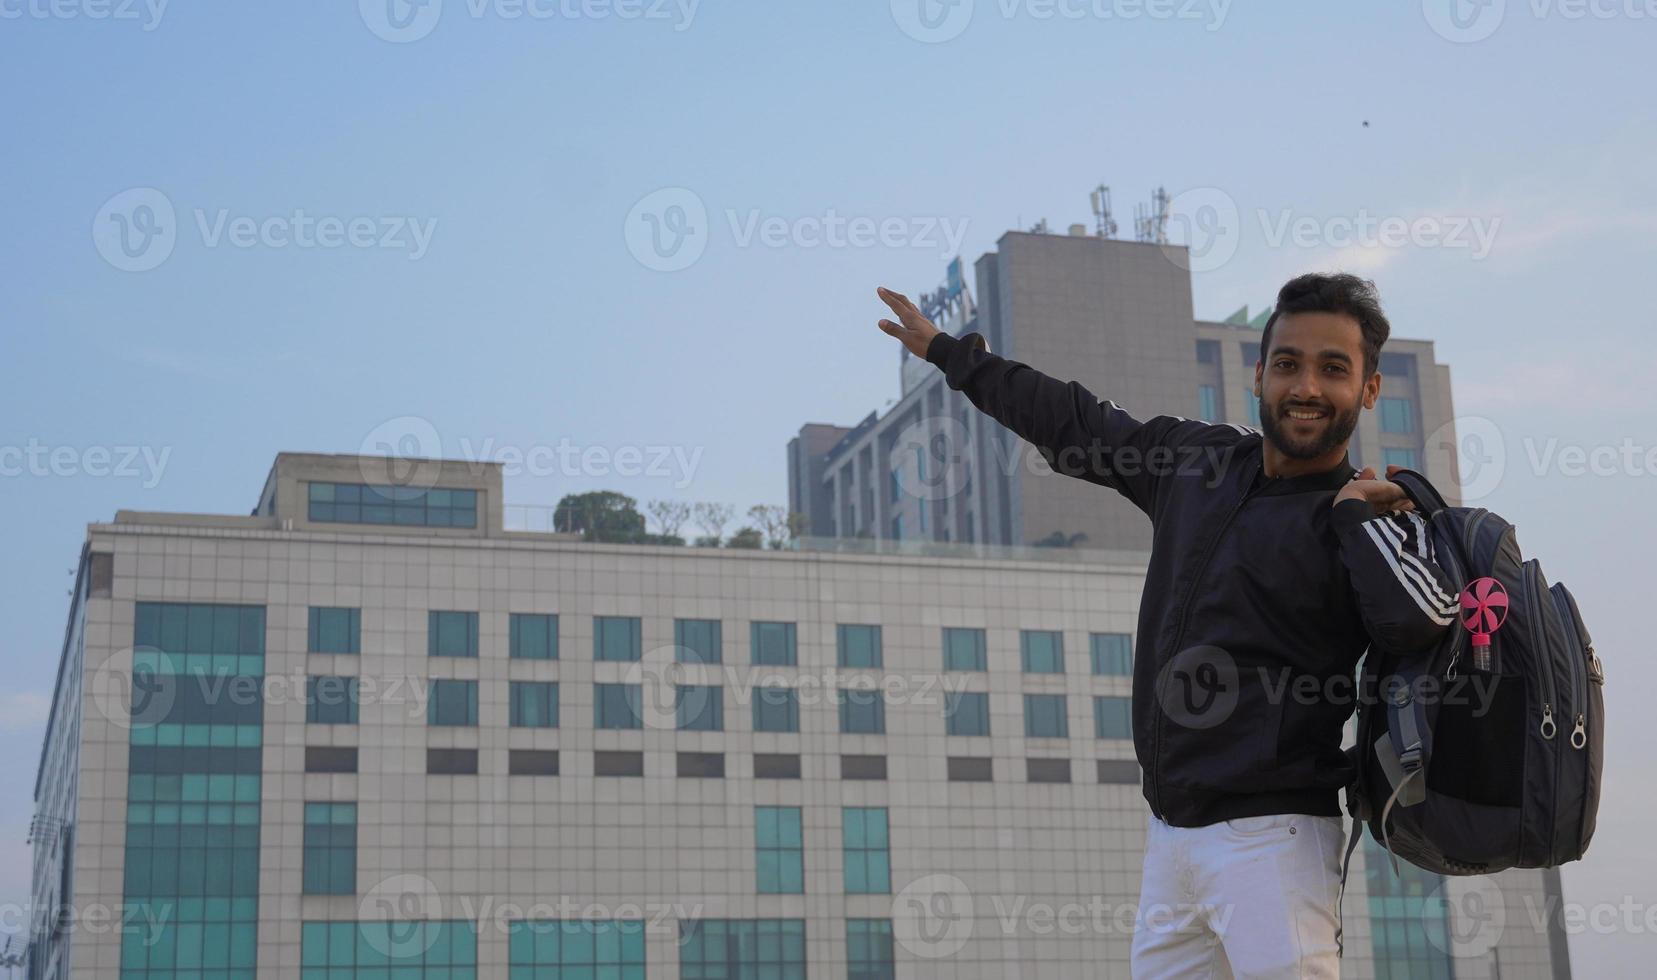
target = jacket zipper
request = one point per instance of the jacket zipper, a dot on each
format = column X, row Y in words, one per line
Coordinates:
column 1184, row 618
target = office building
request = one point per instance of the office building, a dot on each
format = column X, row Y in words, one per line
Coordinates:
column 367, row 731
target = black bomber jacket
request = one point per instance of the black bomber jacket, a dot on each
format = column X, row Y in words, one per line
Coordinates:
column 1259, row 600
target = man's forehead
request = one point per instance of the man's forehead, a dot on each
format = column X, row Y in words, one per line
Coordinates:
column 1316, row 333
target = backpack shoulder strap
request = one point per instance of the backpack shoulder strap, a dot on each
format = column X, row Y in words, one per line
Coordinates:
column 1428, row 501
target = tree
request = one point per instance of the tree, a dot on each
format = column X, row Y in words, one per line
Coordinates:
column 670, row 515
column 600, row 515
column 1058, row 539
column 746, row 537
column 712, row 518
column 775, row 523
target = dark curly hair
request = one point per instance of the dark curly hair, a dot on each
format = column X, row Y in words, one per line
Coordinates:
column 1317, row 292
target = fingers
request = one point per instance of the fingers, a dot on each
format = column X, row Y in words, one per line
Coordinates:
column 894, row 329
column 899, row 303
column 1368, row 473
column 1392, row 468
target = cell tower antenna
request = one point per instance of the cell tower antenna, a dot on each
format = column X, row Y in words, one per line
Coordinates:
column 1151, row 224
column 1104, row 223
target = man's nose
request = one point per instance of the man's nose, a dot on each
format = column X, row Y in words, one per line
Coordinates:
column 1305, row 388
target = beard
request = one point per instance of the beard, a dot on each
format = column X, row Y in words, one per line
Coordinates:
column 1335, row 430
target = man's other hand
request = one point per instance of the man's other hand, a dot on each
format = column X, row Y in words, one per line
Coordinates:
column 1382, row 495
column 915, row 330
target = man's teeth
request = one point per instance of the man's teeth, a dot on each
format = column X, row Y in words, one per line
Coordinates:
column 1305, row 415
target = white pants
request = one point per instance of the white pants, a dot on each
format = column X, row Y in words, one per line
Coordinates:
column 1250, row 897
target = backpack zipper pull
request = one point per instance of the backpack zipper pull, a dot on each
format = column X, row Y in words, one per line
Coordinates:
column 1548, row 728
column 1579, row 734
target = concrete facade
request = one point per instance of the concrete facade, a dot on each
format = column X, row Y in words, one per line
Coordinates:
column 977, row 870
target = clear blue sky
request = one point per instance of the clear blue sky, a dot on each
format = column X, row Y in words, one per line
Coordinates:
column 528, row 320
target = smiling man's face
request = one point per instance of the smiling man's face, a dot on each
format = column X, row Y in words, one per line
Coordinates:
column 1311, row 384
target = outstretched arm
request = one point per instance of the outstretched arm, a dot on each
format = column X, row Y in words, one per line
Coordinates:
column 1076, row 433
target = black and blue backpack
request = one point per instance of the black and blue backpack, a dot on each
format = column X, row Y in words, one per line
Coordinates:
column 1484, row 753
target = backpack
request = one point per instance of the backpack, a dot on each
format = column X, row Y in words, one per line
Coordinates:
column 1484, row 753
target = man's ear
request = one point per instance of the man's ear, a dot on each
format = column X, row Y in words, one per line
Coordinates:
column 1372, row 390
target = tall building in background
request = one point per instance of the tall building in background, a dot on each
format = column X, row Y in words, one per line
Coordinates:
column 1116, row 317
column 370, row 732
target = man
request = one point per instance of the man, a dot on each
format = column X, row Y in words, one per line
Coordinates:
column 1273, row 567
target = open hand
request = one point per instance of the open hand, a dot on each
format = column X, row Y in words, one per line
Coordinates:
column 1382, row 495
column 915, row 330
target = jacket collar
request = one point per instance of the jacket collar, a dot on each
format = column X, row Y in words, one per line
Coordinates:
column 1330, row 479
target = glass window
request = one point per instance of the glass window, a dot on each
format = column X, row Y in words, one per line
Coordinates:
column 966, row 713
column 330, row 700
column 1044, row 716
column 335, row 631
column 869, row 951
column 357, row 503
column 618, row 706
column 451, row 762
column 1208, row 352
column 617, row 638
column 1253, row 405
column 452, row 703
column 772, row 644
column 1112, row 654
column 533, row 636
column 451, row 634
column 858, row 646
column 868, row 861
column 576, row 949
column 776, row 709
column 862, row 712
column 532, row 762
column 407, row 950
column 191, row 854
column 1408, row 923
column 964, row 649
column 1397, row 415
column 1396, row 365
column 1112, row 717
column 779, row 849
column 330, row 849
column 714, row 949
column 533, row 704
column 1208, row 403
column 1395, row 456
column 697, row 641
column 699, row 707
column 1042, row 651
